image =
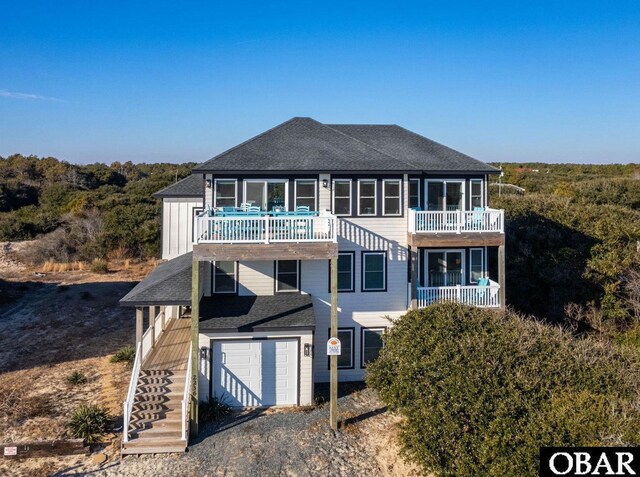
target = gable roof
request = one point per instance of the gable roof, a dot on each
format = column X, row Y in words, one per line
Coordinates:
column 167, row 284
column 190, row 186
column 304, row 144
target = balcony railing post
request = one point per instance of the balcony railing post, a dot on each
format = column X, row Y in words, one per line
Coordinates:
column 459, row 221
column 459, row 293
column 267, row 219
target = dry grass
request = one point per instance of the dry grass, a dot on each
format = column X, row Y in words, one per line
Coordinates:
column 51, row 266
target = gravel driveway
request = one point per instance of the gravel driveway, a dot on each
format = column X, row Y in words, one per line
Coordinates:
column 283, row 443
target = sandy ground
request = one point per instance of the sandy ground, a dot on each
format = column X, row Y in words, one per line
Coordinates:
column 50, row 326
column 53, row 324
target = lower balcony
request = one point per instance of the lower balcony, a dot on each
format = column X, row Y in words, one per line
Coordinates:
column 486, row 294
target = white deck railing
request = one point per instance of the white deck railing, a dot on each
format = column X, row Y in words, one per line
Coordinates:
column 131, row 394
column 456, row 221
column 481, row 296
column 266, row 229
column 148, row 338
column 186, row 397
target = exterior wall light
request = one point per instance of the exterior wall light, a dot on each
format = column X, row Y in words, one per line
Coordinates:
column 325, row 183
column 208, row 183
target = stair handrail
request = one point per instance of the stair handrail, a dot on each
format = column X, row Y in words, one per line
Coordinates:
column 186, row 396
column 131, row 394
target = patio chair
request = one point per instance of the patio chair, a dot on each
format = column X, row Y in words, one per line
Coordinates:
column 245, row 206
column 482, row 293
column 477, row 218
column 303, row 209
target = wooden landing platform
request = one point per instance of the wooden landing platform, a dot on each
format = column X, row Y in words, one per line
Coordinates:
column 171, row 352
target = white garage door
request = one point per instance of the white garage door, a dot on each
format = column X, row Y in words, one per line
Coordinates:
column 256, row 372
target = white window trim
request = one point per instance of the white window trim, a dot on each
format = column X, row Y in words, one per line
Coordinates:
column 235, row 191
column 446, row 250
column 446, row 181
column 420, row 204
column 482, row 202
column 384, row 197
column 264, row 190
column 482, row 262
column 375, row 197
column 352, row 340
column 235, row 279
column 315, row 192
column 333, row 196
column 364, row 271
column 297, row 290
column 352, row 257
column 363, row 365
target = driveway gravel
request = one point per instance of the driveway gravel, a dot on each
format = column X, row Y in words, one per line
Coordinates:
column 294, row 442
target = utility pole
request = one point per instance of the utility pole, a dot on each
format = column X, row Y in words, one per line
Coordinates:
column 333, row 360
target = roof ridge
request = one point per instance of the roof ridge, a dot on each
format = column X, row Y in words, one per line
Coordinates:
column 369, row 145
column 196, row 169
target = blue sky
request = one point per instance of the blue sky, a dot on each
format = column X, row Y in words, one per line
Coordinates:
column 183, row 81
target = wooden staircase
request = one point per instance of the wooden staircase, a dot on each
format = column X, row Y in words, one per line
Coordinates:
column 156, row 418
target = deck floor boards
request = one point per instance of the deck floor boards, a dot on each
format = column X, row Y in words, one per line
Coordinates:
column 172, row 349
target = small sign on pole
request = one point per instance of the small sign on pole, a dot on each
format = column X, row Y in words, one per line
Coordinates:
column 11, row 450
column 333, row 347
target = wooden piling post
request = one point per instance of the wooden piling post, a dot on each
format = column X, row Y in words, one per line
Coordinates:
column 333, row 410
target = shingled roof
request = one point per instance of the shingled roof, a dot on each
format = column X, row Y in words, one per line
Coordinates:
column 190, row 186
column 256, row 313
column 168, row 284
column 304, row 144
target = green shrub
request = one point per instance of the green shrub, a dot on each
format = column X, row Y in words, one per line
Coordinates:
column 99, row 266
column 214, row 410
column 76, row 378
column 89, row 422
column 482, row 391
column 124, row 355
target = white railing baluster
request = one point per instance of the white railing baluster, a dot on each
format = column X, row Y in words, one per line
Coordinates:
column 131, row 393
column 442, row 221
column 186, row 396
column 480, row 296
column 267, row 229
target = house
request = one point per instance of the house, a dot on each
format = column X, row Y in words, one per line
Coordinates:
column 241, row 308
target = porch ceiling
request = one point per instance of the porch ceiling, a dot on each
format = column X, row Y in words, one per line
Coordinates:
column 256, row 313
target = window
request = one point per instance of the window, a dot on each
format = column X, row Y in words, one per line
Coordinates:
column 224, row 277
column 345, row 360
column 194, row 213
column 391, row 193
column 414, row 193
column 445, row 268
column 305, row 193
column 266, row 194
column 445, row 195
column 287, row 276
column 342, row 196
column 370, row 345
column 374, row 271
column 346, row 269
column 477, row 193
column 225, row 194
column 477, row 264
column 366, row 197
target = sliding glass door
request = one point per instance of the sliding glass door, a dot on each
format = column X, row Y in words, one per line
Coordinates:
column 445, row 194
column 266, row 194
column 444, row 268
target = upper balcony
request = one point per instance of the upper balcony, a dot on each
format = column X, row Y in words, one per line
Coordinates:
column 447, row 228
column 252, row 234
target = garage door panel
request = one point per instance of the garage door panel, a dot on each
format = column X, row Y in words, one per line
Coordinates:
column 257, row 372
